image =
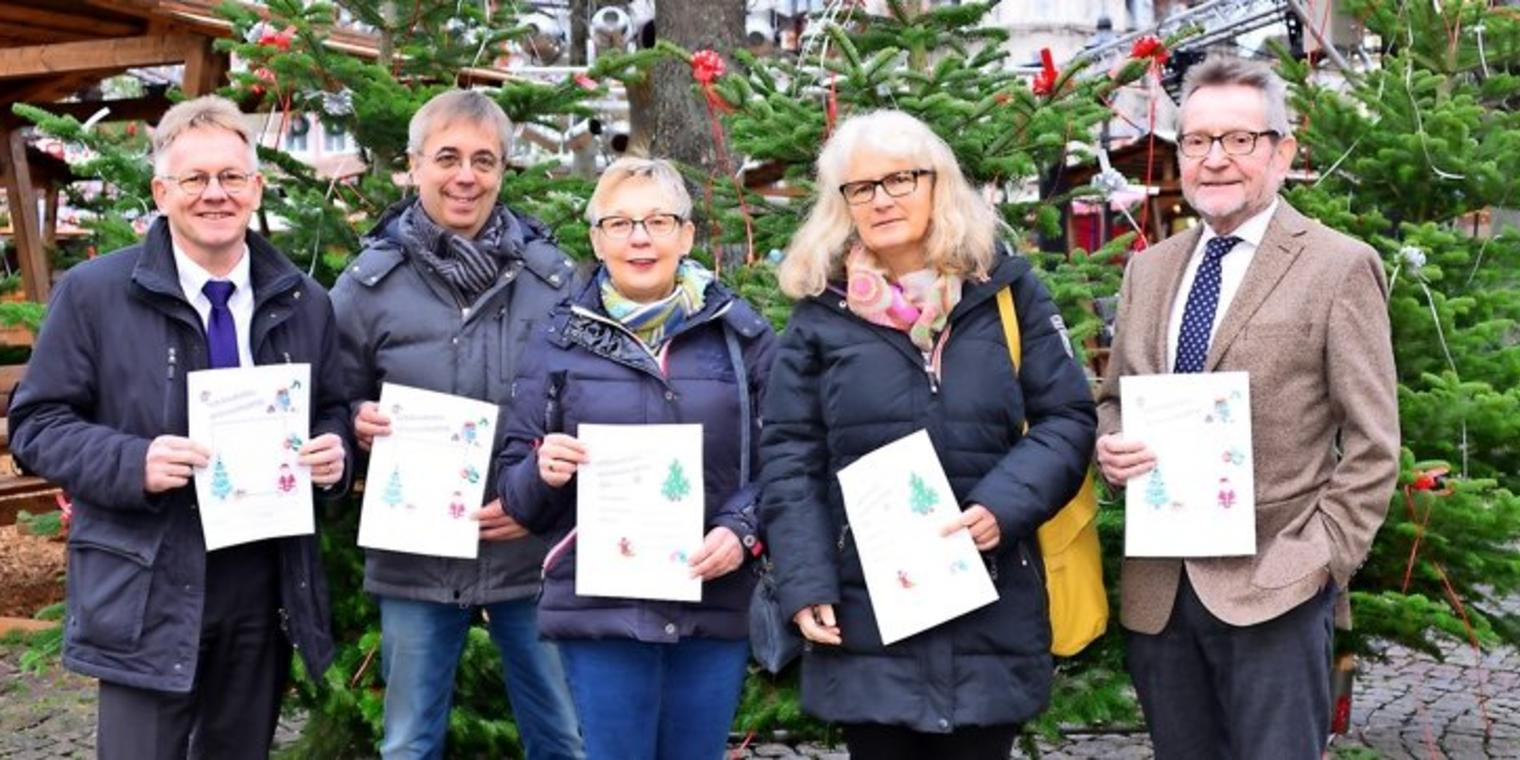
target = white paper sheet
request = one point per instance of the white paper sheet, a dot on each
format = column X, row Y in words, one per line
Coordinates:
column 1200, row 501
column 429, row 475
column 253, row 419
column 898, row 500
column 639, row 511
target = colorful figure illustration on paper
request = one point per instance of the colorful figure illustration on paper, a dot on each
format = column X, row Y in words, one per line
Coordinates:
column 625, row 547
column 959, row 566
column 393, row 495
column 903, row 579
column 293, row 442
column 921, row 497
column 1226, row 493
column 676, row 486
column 282, row 403
column 456, row 505
column 469, row 432
column 1155, row 490
column 287, row 481
column 1234, row 456
column 679, row 557
column 221, row 483
column 469, row 475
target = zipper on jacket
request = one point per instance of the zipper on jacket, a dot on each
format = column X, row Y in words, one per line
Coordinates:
column 173, row 361
column 286, row 354
column 929, row 373
column 844, row 531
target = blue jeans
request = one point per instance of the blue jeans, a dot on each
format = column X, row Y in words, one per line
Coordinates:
column 640, row 701
column 420, row 646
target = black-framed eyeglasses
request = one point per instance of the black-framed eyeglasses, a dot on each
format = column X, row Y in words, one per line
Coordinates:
column 657, row 225
column 195, row 183
column 896, row 184
column 1239, row 142
column 483, row 162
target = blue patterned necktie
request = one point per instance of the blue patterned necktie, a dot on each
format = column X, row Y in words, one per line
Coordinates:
column 221, row 334
column 1202, row 302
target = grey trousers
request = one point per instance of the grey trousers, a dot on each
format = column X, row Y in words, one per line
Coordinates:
column 1214, row 691
column 240, row 677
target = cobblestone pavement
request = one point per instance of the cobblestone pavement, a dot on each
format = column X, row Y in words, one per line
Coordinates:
column 1408, row 706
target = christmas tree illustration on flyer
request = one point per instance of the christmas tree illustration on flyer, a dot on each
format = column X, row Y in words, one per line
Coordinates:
column 427, row 477
column 639, row 510
column 254, row 420
column 1198, row 501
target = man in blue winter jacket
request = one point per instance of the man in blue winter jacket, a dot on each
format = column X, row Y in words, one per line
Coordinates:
column 192, row 648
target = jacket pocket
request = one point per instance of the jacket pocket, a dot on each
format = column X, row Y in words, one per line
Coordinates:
column 1291, row 542
column 108, row 591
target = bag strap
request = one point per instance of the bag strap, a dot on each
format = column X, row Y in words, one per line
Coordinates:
column 1010, row 319
column 741, row 374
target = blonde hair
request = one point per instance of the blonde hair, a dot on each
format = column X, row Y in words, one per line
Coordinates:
column 205, row 112
column 963, row 226
column 657, row 170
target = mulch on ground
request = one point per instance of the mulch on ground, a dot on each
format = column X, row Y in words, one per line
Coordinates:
column 32, row 567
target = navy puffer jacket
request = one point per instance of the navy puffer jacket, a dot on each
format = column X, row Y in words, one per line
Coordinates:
column 841, row 388
column 585, row 367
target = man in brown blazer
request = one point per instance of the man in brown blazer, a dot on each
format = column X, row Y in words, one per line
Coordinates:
column 1231, row 655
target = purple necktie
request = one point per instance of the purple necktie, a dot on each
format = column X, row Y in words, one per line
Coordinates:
column 221, row 335
column 1202, row 302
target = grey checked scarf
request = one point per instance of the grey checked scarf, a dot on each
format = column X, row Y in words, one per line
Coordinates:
column 469, row 266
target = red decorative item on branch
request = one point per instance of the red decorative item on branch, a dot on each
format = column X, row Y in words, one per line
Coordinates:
column 706, row 67
column 263, row 74
column 278, row 40
column 1045, row 82
column 586, row 83
column 1150, row 46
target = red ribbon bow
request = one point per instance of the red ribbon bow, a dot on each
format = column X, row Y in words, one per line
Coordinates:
column 1151, row 47
column 1045, row 81
column 280, row 40
column 706, row 67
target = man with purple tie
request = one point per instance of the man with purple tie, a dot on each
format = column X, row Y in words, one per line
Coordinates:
column 192, row 648
column 1231, row 655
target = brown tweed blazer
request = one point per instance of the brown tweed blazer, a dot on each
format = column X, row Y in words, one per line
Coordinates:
column 1310, row 325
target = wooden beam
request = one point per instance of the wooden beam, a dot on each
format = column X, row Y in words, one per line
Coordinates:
column 204, row 69
column 114, row 53
column 50, row 215
column 21, row 199
column 69, row 23
column 147, row 108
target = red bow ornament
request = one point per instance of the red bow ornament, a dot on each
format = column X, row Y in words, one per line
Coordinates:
column 1045, row 82
column 1150, row 47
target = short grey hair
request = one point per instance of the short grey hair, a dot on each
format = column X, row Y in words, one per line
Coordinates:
column 657, row 170
column 205, row 112
column 1224, row 70
column 458, row 105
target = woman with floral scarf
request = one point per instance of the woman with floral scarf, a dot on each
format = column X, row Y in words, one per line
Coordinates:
column 897, row 271
column 651, row 338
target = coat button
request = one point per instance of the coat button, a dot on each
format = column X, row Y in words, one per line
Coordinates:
column 749, row 540
column 670, row 628
column 179, row 666
column 670, row 395
column 297, row 295
column 944, row 723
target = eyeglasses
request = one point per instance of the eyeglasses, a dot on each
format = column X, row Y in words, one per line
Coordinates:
column 483, row 162
column 657, row 225
column 896, row 184
column 195, row 183
column 1241, row 142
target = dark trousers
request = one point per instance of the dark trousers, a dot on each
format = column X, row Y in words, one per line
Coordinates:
column 240, row 675
column 1214, row 691
column 873, row 741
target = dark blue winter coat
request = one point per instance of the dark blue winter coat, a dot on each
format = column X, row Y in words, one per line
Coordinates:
column 106, row 377
column 585, row 367
column 843, row 387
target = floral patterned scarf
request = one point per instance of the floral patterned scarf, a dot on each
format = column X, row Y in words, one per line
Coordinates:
column 653, row 321
column 919, row 303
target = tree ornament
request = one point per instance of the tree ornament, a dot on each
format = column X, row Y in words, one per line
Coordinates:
column 1150, row 46
column 1044, row 83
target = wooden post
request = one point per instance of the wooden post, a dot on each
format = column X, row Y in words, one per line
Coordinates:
column 22, row 201
column 50, row 214
column 204, row 69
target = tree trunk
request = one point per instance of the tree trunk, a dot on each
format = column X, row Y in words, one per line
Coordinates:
column 676, row 123
column 580, row 16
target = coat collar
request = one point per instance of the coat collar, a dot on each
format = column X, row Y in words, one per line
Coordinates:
column 268, row 269
column 531, row 240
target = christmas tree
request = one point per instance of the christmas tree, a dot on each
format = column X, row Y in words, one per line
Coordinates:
column 221, row 484
column 1155, row 489
column 676, row 486
column 393, row 495
column 921, row 498
column 1418, row 155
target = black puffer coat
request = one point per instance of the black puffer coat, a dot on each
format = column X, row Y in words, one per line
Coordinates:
column 842, row 387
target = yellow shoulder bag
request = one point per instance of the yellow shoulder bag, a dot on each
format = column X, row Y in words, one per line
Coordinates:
column 1068, row 541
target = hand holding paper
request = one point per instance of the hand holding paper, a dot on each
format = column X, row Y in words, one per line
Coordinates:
column 170, row 462
column 1121, row 459
column 370, row 422
column 720, row 555
column 559, row 456
column 982, row 525
column 324, row 455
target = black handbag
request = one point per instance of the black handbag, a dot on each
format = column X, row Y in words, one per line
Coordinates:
column 773, row 641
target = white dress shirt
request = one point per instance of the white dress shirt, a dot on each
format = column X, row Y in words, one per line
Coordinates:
column 193, row 277
column 1232, row 270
